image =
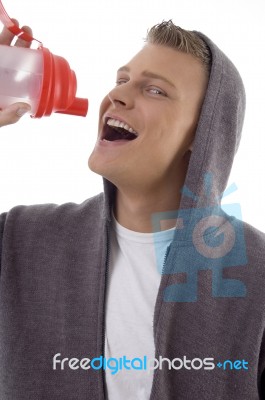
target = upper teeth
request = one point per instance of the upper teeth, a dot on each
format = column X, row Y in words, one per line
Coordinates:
column 119, row 124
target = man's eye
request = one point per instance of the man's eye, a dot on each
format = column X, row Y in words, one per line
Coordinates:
column 155, row 90
column 120, row 81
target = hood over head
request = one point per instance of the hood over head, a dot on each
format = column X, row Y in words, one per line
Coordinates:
column 218, row 132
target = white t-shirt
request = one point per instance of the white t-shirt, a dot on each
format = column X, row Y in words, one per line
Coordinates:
column 134, row 276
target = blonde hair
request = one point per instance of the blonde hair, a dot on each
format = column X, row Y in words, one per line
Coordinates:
column 168, row 34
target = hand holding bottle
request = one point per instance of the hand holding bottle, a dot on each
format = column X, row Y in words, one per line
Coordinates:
column 43, row 79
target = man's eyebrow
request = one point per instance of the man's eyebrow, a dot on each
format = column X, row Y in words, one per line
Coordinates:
column 148, row 74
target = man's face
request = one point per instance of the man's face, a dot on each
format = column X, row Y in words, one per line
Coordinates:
column 158, row 95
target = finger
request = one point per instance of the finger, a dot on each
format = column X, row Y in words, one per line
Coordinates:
column 21, row 42
column 13, row 113
column 6, row 36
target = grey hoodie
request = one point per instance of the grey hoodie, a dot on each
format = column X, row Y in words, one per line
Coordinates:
column 209, row 313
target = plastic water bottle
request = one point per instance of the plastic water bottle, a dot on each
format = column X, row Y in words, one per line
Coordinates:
column 37, row 77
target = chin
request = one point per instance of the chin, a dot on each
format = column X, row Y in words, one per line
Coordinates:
column 98, row 166
column 94, row 164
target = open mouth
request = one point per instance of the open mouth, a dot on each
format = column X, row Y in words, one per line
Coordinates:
column 116, row 130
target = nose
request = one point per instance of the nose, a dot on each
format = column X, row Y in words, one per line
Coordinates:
column 122, row 96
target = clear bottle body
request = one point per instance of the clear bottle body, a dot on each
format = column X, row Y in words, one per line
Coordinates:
column 21, row 76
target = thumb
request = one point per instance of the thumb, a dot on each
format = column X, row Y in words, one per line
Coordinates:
column 13, row 113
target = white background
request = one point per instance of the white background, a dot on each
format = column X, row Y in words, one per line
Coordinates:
column 45, row 160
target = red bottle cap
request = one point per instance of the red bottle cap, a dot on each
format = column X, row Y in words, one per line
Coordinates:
column 59, row 88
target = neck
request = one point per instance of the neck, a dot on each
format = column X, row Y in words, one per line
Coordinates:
column 134, row 207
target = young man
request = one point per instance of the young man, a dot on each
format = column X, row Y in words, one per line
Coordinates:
column 146, row 269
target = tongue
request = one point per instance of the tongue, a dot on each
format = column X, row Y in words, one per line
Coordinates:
column 118, row 140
